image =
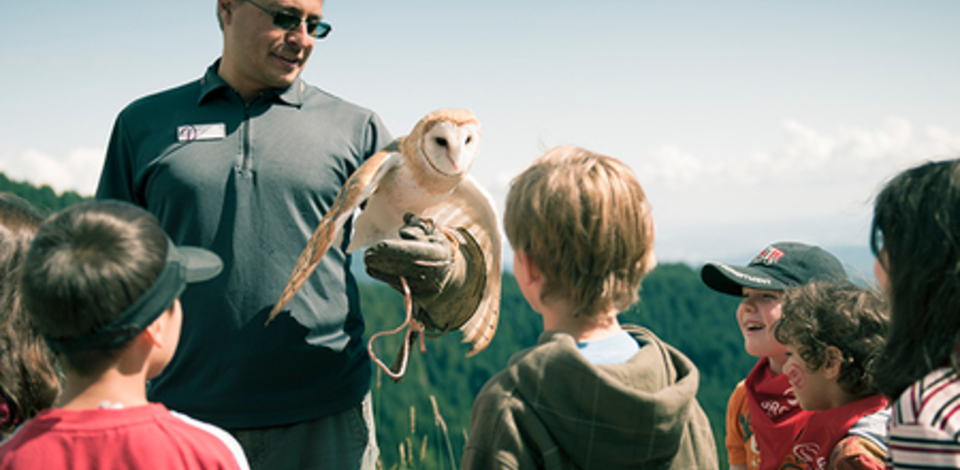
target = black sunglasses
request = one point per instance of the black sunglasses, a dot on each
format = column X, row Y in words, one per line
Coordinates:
column 290, row 22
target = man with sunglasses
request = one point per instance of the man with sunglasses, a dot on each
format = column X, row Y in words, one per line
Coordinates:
column 245, row 161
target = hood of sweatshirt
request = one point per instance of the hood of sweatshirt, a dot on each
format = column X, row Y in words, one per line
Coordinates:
column 639, row 412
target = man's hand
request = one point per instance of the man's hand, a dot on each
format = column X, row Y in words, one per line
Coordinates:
column 443, row 267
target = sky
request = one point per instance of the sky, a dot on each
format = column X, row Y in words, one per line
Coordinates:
column 746, row 122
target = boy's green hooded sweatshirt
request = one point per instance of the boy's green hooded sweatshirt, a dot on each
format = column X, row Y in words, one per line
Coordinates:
column 552, row 409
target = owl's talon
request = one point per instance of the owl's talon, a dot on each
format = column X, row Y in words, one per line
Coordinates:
column 454, row 239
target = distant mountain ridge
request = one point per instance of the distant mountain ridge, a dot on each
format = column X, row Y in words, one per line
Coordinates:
column 857, row 259
column 43, row 198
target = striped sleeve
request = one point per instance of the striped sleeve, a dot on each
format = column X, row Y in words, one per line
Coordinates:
column 925, row 424
column 223, row 436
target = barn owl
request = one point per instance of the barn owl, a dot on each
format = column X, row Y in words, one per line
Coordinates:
column 424, row 173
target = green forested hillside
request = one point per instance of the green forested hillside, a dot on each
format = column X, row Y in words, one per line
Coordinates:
column 43, row 198
column 674, row 304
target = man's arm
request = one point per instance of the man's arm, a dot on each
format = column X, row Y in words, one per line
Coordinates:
column 377, row 136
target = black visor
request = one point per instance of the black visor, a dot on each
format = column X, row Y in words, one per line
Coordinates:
column 183, row 265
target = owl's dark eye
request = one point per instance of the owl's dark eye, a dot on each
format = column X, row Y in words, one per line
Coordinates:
column 469, row 139
column 441, row 141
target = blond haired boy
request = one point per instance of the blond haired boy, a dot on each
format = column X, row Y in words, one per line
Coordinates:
column 592, row 393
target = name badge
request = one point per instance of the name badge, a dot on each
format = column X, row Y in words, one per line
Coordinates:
column 201, row 132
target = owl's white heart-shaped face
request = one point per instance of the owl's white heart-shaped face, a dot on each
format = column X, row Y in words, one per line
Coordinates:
column 451, row 148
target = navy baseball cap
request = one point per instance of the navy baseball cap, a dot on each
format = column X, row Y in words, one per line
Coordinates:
column 183, row 265
column 779, row 266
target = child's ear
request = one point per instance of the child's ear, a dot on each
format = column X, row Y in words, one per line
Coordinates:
column 154, row 332
column 831, row 368
column 530, row 265
column 529, row 272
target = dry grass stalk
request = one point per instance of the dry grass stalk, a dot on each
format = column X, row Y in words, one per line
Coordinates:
column 439, row 421
column 413, row 420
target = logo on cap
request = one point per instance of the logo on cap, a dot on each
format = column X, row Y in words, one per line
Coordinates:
column 769, row 256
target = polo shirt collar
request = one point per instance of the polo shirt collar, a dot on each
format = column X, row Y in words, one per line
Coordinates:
column 211, row 82
column 293, row 94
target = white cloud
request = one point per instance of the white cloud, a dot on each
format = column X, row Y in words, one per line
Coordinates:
column 501, row 182
column 78, row 171
column 674, row 168
column 813, row 185
column 807, row 154
column 943, row 144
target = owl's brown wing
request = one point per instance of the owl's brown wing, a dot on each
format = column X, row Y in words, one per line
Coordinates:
column 361, row 184
column 471, row 207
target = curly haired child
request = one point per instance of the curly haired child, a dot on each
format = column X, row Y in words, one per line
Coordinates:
column 29, row 381
column 833, row 334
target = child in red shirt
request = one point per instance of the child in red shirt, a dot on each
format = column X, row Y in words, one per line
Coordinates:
column 833, row 333
column 101, row 282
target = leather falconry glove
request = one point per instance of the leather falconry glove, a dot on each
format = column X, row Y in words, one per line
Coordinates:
column 444, row 271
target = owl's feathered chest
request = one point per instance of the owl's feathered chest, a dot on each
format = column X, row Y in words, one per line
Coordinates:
column 405, row 188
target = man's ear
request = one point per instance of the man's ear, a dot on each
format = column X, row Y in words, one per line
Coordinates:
column 225, row 10
column 831, row 368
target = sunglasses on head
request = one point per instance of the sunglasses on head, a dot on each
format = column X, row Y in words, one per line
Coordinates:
column 290, row 22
